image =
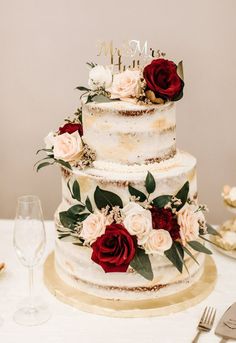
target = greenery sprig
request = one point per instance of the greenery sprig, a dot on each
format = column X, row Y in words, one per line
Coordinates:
column 49, row 160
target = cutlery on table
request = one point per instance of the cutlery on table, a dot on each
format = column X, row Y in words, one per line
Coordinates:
column 226, row 328
column 206, row 322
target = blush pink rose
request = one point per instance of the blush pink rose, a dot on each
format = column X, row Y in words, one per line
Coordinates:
column 189, row 225
column 94, row 226
column 125, row 85
column 68, row 147
column 158, row 242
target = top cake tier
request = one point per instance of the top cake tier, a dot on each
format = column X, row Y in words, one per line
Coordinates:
column 128, row 133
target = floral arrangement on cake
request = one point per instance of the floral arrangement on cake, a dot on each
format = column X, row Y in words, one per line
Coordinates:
column 66, row 147
column 157, row 82
column 125, row 236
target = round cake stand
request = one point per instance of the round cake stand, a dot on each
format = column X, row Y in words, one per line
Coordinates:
column 133, row 309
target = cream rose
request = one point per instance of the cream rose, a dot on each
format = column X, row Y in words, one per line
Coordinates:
column 125, row 85
column 188, row 222
column 68, row 147
column 94, row 226
column 131, row 207
column 137, row 221
column 100, row 77
column 158, row 242
column 49, row 140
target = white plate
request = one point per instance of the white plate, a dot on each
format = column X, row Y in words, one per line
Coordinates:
column 229, row 253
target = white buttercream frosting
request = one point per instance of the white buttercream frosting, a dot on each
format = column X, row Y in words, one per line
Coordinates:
column 169, row 175
column 75, row 267
column 128, row 133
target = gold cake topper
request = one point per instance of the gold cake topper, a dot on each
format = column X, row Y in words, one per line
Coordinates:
column 133, row 52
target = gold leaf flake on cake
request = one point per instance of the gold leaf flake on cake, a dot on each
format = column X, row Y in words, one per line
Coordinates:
column 160, row 123
column 127, row 142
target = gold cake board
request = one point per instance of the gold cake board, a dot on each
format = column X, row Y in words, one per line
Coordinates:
column 124, row 308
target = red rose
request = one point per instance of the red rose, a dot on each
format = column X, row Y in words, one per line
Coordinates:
column 162, row 78
column 163, row 218
column 70, row 128
column 115, row 249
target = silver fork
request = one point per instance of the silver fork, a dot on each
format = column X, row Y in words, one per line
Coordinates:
column 206, row 322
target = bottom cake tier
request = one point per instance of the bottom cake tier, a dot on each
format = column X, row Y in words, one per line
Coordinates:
column 74, row 266
column 176, row 302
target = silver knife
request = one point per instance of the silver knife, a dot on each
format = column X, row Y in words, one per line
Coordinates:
column 226, row 328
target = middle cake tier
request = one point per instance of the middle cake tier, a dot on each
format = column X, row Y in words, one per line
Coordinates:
column 170, row 175
column 128, row 133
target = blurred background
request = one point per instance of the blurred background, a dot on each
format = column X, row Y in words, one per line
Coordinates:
column 44, row 47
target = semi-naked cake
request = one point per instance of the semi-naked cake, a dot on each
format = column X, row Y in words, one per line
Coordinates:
column 129, row 224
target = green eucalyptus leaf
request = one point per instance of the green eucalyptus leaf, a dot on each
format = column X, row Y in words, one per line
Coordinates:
column 195, row 245
column 43, row 159
column 150, row 183
column 80, row 244
column 212, row 231
column 78, row 241
column 68, row 186
column 179, row 249
column 46, row 150
column 76, row 209
column 88, row 204
column 174, row 257
column 68, row 238
column 64, row 164
column 208, row 240
column 76, row 191
column 83, row 89
column 82, row 216
column 61, row 236
column 190, row 254
column 89, row 98
column 42, row 165
column 135, row 192
column 142, row 265
column 161, row 201
column 104, row 198
column 67, row 220
column 182, row 195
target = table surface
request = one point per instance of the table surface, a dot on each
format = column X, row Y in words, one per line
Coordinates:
column 71, row 325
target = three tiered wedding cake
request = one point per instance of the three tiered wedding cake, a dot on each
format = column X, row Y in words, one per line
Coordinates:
column 129, row 225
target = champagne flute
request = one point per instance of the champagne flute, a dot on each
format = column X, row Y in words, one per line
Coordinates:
column 29, row 241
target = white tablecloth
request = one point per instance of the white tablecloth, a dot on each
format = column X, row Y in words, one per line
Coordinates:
column 69, row 325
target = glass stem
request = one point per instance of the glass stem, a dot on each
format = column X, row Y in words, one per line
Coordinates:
column 31, row 286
